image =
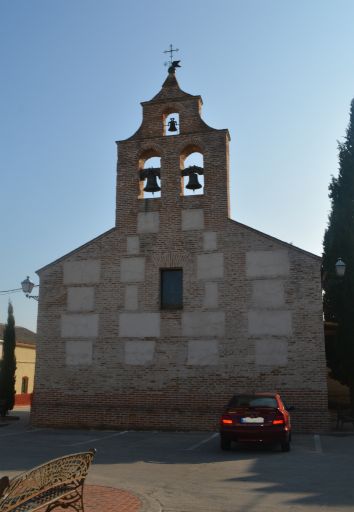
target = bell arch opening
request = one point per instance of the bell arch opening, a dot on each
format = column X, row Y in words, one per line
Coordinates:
column 149, row 175
column 171, row 124
column 192, row 171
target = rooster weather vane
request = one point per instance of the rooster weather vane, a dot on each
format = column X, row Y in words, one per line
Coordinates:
column 172, row 64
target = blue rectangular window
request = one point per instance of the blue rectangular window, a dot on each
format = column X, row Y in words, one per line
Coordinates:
column 171, row 288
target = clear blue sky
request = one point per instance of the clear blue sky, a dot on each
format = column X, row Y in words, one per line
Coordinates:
column 278, row 74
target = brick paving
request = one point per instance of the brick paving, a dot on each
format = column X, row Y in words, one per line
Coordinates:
column 98, row 498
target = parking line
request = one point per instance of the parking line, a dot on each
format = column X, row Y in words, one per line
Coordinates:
column 318, row 444
column 95, row 439
column 21, row 432
column 202, row 442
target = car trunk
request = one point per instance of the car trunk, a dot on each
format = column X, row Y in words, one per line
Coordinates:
column 252, row 416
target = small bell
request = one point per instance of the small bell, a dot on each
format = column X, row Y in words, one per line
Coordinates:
column 172, row 125
column 193, row 183
column 151, row 184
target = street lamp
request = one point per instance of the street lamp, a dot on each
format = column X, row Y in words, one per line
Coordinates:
column 340, row 267
column 27, row 287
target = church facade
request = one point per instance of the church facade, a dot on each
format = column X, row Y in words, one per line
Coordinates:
column 156, row 323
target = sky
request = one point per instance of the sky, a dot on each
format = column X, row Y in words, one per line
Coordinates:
column 278, row 74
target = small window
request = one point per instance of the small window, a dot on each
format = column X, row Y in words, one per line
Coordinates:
column 24, row 385
column 171, row 289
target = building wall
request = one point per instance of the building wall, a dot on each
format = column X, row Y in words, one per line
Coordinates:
column 25, row 367
column 108, row 356
column 25, row 361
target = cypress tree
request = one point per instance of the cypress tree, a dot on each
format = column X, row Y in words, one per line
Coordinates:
column 339, row 243
column 8, row 365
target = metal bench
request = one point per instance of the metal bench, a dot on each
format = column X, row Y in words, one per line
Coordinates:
column 57, row 483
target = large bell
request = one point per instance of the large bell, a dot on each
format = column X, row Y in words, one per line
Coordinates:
column 172, row 125
column 193, row 183
column 151, row 184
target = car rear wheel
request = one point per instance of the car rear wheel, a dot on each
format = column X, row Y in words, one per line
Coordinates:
column 225, row 444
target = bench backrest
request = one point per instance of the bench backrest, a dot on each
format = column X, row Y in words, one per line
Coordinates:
column 70, row 470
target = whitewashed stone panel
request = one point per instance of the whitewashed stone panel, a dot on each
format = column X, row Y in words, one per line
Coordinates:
column 148, row 222
column 133, row 245
column 210, row 266
column 203, row 353
column 82, row 272
column 211, row 295
column 139, row 352
column 132, row 270
column 197, row 324
column 78, row 352
column 131, row 297
column 271, row 352
column 192, row 219
column 139, row 325
column 267, row 263
column 81, row 298
column 268, row 293
column 79, row 325
column 209, row 241
column 269, row 322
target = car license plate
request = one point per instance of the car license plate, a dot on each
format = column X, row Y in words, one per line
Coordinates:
column 257, row 420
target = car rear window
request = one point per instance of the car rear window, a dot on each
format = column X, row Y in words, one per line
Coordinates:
column 253, row 401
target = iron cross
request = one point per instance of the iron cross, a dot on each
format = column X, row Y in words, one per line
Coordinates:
column 170, row 51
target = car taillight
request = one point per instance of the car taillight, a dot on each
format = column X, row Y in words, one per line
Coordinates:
column 226, row 420
column 279, row 419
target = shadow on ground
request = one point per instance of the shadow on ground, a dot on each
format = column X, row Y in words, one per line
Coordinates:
column 317, row 477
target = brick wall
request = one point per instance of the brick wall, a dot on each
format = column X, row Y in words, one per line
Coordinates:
column 108, row 356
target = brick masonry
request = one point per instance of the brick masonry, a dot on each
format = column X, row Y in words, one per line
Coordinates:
column 109, row 356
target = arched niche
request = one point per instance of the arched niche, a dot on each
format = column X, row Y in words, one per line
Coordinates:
column 149, row 165
column 192, row 163
column 170, row 122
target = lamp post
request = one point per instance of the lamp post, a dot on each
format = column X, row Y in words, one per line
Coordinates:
column 27, row 287
column 340, row 267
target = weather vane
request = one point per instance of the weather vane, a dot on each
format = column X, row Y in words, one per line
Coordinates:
column 172, row 64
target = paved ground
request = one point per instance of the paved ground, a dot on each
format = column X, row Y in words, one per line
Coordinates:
column 187, row 472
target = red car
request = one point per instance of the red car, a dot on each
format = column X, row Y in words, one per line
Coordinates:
column 256, row 417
